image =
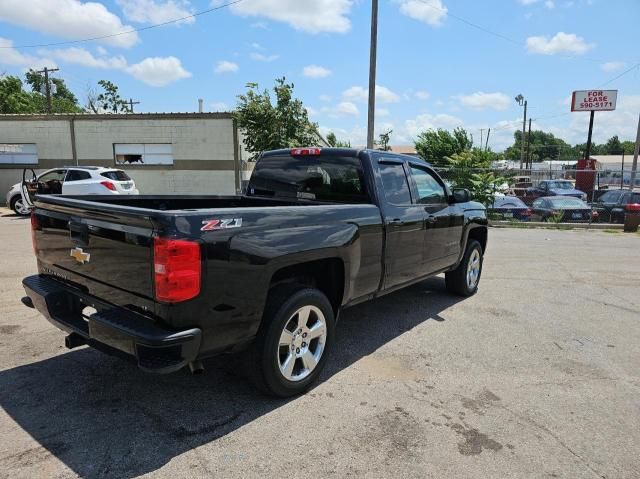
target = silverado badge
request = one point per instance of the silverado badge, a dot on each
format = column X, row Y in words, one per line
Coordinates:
column 80, row 256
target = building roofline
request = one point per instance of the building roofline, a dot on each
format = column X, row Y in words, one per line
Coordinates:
column 115, row 116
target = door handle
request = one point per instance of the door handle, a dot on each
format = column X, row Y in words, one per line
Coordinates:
column 396, row 222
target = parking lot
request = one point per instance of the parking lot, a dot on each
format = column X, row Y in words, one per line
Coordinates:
column 538, row 375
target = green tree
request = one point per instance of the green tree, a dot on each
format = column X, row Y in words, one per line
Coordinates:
column 333, row 141
column 269, row 126
column 13, row 99
column 383, row 140
column 110, row 100
column 614, row 146
column 436, row 145
column 628, row 147
column 542, row 146
column 469, row 169
column 62, row 99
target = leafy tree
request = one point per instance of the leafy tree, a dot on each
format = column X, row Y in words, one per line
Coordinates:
column 109, row 99
column 333, row 141
column 542, row 146
column 269, row 126
column 436, row 145
column 13, row 99
column 628, row 147
column 468, row 169
column 383, row 141
column 613, row 146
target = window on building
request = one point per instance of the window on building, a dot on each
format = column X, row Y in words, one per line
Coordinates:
column 143, row 154
column 18, row 154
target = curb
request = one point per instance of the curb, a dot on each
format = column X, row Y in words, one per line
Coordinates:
column 556, row 226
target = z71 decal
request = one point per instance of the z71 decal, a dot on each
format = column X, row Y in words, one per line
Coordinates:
column 211, row 225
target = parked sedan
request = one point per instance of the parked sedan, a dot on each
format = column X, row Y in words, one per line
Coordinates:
column 562, row 209
column 76, row 180
column 556, row 188
column 611, row 205
column 509, row 207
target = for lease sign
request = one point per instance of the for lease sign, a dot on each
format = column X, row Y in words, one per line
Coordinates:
column 596, row 100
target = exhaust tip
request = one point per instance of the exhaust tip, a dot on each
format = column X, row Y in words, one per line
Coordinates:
column 196, row 368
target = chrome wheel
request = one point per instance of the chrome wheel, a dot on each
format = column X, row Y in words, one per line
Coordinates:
column 302, row 343
column 21, row 208
column 473, row 269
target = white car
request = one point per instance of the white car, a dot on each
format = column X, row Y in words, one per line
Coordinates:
column 76, row 180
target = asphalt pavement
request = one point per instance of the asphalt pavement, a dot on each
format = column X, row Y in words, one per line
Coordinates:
column 538, row 375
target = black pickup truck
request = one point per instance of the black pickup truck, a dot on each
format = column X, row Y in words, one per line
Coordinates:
column 171, row 280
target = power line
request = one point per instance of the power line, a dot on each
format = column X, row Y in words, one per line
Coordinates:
column 135, row 30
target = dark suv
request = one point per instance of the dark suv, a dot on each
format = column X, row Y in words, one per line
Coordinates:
column 611, row 205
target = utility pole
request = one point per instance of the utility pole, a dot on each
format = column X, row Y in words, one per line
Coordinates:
column 131, row 103
column 527, row 163
column 481, row 140
column 372, row 73
column 486, row 145
column 634, row 167
column 524, row 124
column 588, row 154
column 47, row 85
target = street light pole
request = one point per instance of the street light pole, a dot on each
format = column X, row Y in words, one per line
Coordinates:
column 372, row 73
column 636, row 152
column 524, row 124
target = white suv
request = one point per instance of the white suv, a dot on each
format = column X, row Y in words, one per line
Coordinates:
column 76, row 180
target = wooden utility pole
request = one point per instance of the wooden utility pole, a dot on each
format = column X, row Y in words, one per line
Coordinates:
column 372, row 73
column 47, row 85
column 486, row 145
column 131, row 103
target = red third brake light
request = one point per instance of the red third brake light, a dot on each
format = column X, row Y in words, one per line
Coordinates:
column 305, row 151
column 108, row 185
column 177, row 269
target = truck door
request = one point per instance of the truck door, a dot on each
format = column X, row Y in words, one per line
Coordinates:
column 404, row 225
column 443, row 221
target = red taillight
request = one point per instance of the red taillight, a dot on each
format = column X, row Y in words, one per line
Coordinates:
column 108, row 185
column 633, row 207
column 177, row 269
column 34, row 227
column 595, row 214
column 305, row 151
column 527, row 212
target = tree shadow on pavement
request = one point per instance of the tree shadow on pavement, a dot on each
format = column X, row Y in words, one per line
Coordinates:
column 101, row 416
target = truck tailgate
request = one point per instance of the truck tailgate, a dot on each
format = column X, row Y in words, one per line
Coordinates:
column 106, row 252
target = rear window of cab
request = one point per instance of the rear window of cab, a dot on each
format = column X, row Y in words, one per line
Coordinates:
column 116, row 175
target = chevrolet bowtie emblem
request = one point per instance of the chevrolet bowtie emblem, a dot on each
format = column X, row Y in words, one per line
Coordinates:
column 80, row 256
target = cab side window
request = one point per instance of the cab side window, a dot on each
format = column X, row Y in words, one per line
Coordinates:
column 539, row 203
column 394, row 182
column 430, row 191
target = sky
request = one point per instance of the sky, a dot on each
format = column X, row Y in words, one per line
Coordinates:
column 441, row 63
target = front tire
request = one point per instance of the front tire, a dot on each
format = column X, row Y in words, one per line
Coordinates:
column 293, row 342
column 464, row 280
column 18, row 206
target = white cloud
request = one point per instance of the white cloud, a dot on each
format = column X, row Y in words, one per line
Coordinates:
column 311, row 111
column 422, row 95
column 312, row 17
column 154, row 11
column 263, row 58
column 344, row 108
column 219, row 106
column 528, row 2
column 11, row 56
column 257, row 46
column 431, row 12
column 225, row 66
column 316, row 71
column 83, row 57
column 359, row 93
column 158, row 71
column 426, row 121
column 481, row 100
column 613, row 66
column 101, row 50
column 380, row 112
column 550, row 4
column 70, row 19
column 560, row 43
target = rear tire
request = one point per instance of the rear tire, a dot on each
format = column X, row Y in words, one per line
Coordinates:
column 464, row 280
column 293, row 342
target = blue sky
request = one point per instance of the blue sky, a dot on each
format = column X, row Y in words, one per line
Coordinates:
column 434, row 69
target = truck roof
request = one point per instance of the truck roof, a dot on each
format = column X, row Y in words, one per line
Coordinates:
column 353, row 152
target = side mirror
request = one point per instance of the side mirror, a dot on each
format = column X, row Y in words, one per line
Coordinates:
column 461, row 195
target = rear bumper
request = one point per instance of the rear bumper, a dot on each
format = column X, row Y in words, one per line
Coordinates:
column 112, row 328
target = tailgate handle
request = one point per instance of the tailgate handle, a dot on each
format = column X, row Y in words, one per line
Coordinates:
column 79, row 234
